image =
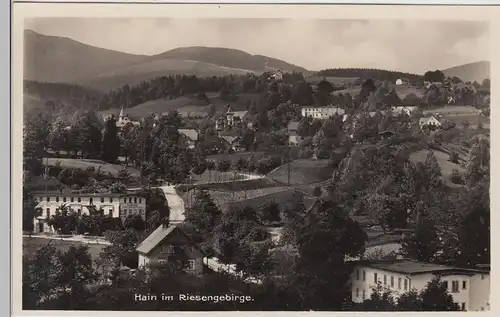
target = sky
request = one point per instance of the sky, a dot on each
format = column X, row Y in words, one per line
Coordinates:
column 410, row 46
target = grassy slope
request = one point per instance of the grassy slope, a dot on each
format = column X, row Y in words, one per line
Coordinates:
column 443, row 159
column 83, row 164
column 31, row 245
column 302, row 172
column 401, row 90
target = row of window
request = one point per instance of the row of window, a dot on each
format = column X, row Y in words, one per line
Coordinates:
column 401, row 282
column 169, row 249
column 79, row 199
column 79, row 212
column 455, row 285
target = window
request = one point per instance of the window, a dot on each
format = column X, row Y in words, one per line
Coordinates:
column 72, row 199
column 385, row 279
column 406, row 284
column 364, row 275
column 364, row 294
column 79, row 212
column 110, row 199
column 191, row 265
column 392, row 281
column 124, row 200
column 57, row 199
column 130, row 200
column 48, row 198
column 79, row 199
column 64, row 199
column 111, row 212
column 140, row 200
column 445, row 284
column 357, row 275
column 375, row 278
column 168, row 249
column 48, row 212
column 135, row 200
column 464, row 284
column 454, row 287
column 357, row 292
column 91, row 200
column 463, row 306
column 102, row 199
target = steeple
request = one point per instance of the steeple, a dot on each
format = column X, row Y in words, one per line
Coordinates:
column 121, row 115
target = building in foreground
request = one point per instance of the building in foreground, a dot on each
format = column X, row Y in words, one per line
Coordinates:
column 322, row 113
column 470, row 288
column 159, row 248
column 112, row 204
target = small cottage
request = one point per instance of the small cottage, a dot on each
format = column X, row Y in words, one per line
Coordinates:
column 162, row 245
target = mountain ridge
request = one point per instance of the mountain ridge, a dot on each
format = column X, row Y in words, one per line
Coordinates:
column 50, row 58
column 475, row 71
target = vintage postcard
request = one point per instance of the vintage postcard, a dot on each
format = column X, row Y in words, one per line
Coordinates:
column 251, row 158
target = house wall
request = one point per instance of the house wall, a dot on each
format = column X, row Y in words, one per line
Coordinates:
column 115, row 206
column 176, row 239
column 474, row 297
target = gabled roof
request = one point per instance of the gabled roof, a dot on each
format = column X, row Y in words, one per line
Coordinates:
column 192, row 134
column 230, row 139
column 156, row 237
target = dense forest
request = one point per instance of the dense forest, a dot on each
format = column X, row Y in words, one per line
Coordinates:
column 376, row 74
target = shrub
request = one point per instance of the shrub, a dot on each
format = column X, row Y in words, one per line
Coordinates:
column 454, row 157
column 317, row 191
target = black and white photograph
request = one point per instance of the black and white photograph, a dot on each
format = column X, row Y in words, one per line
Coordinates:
column 254, row 163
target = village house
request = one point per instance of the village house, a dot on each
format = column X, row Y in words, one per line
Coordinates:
column 161, row 245
column 123, row 120
column 293, row 137
column 278, row 75
column 470, row 288
column 408, row 110
column 399, row 82
column 233, row 142
column 430, row 122
column 111, row 204
column 237, row 119
column 322, row 113
column 191, row 136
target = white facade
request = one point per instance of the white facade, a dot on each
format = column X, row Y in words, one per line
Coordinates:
column 114, row 205
column 470, row 290
column 322, row 113
column 399, row 82
column 430, row 121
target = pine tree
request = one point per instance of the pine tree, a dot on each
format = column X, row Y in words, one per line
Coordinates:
column 110, row 142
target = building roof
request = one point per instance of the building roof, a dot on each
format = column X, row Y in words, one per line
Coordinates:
column 293, row 125
column 192, row 134
column 427, row 119
column 156, row 237
column 413, row 267
column 230, row 139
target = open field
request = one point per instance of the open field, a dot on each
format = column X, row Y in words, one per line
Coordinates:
column 187, row 105
column 401, row 90
column 443, row 160
column 234, row 157
column 338, row 81
column 83, row 164
column 250, row 184
column 215, row 177
column 31, row 245
column 302, row 172
column 452, row 110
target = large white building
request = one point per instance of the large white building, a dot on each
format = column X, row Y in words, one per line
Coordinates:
column 322, row 113
column 470, row 288
column 115, row 205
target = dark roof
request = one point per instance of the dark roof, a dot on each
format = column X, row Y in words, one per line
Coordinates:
column 157, row 236
column 413, row 267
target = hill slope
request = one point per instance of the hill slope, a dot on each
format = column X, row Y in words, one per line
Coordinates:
column 59, row 59
column 469, row 72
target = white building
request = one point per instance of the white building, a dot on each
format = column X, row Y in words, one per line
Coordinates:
column 322, row 113
column 114, row 205
column 399, row 82
column 431, row 122
column 470, row 288
column 123, row 120
column 278, row 75
column 409, row 110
